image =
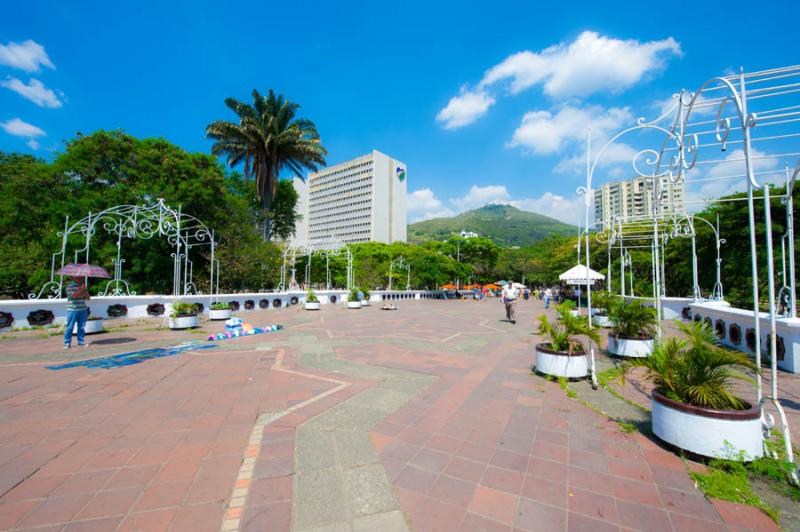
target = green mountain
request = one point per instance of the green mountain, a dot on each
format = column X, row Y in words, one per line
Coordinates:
column 504, row 224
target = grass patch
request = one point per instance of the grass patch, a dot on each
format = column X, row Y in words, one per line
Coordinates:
column 604, row 378
column 730, row 481
column 626, row 427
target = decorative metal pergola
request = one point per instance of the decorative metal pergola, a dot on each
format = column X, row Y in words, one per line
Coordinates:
column 330, row 247
column 757, row 113
column 130, row 222
column 400, row 263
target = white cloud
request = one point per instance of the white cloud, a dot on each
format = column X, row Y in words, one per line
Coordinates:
column 617, row 157
column 32, row 144
column 34, row 91
column 543, row 132
column 18, row 128
column 727, row 177
column 569, row 210
column 480, row 196
column 29, row 56
column 465, row 108
column 590, row 64
column 423, row 205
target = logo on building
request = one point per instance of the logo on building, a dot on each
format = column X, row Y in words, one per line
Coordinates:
column 401, row 173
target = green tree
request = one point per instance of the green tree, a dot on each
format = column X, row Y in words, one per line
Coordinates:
column 283, row 214
column 267, row 139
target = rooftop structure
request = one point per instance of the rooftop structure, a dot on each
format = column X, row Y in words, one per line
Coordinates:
column 360, row 200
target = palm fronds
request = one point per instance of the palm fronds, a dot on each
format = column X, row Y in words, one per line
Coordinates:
column 632, row 320
column 695, row 370
column 267, row 139
column 562, row 334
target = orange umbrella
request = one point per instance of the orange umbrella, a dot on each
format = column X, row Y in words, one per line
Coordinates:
column 449, row 286
column 491, row 286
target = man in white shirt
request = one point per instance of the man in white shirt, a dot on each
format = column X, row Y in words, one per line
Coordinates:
column 510, row 295
column 548, row 295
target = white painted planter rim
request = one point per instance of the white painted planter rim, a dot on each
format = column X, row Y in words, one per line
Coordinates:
column 754, row 412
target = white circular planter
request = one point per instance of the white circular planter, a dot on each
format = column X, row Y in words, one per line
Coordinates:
column 602, row 321
column 184, row 322
column 365, row 302
column 312, row 305
column 560, row 364
column 92, row 326
column 354, row 304
column 222, row 314
column 732, row 435
column 575, row 312
column 630, row 347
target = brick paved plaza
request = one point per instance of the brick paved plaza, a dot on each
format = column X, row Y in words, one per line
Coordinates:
column 426, row 418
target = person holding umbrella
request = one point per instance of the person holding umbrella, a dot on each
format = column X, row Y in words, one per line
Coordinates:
column 77, row 311
column 77, row 296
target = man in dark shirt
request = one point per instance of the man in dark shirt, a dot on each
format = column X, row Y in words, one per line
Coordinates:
column 77, row 311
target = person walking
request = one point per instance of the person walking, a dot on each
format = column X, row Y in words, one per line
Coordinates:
column 510, row 295
column 77, row 311
column 548, row 295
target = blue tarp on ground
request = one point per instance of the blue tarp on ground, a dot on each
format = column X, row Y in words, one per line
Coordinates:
column 135, row 357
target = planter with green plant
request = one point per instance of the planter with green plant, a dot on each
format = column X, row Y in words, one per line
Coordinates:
column 601, row 301
column 694, row 407
column 219, row 311
column 366, row 295
column 633, row 333
column 94, row 324
column 562, row 354
column 352, row 299
column 312, row 302
column 183, row 316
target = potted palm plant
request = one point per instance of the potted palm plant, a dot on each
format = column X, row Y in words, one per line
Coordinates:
column 562, row 354
column 693, row 405
column 600, row 302
column 312, row 303
column 366, row 295
column 183, row 316
column 352, row 299
column 633, row 334
column 94, row 324
column 219, row 311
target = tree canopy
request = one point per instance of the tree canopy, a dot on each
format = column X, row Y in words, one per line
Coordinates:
column 267, row 139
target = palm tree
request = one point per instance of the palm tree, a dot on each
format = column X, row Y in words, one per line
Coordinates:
column 267, row 139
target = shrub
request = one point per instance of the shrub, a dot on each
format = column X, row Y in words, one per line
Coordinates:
column 632, row 320
column 183, row 310
column 353, row 294
column 311, row 297
column 695, row 370
column 219, row 306
column 562, row 334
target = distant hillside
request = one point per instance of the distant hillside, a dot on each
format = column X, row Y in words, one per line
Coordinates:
column 504, row 224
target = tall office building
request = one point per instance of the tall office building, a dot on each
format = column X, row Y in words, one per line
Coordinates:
column 360, row 200
column 633, row 200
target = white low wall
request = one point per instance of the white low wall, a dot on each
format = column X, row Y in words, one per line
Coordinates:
column 787, row 331
column 137, row 306
column 671, row 307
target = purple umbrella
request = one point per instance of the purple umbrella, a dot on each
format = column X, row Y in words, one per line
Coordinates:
column 83, row 270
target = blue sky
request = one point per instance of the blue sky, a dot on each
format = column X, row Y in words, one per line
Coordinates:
column 483, row 102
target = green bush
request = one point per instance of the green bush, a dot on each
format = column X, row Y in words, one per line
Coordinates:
column 183, row 310
column 562, row 334
column 311, row 297
column 219, row 306
column 695, row 370
column 632, row 320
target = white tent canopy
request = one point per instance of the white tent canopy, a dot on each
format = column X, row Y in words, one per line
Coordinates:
column 577, row 275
